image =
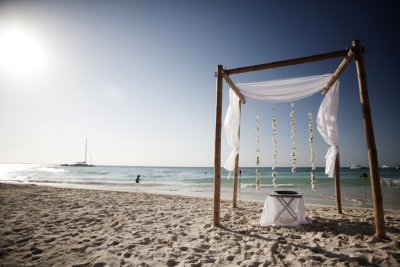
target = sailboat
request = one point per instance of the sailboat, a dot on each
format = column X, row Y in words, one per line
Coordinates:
column 82, row 163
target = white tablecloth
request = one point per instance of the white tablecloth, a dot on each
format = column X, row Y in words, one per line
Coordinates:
column 283, row 210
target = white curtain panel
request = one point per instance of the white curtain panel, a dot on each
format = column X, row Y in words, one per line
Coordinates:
column 285, row 91
column 327, row 126
column 231, row 125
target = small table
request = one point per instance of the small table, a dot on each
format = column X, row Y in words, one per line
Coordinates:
column 283, row 208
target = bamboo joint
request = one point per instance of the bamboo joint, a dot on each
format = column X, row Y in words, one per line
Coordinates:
column 351, row 54
column 234, row 88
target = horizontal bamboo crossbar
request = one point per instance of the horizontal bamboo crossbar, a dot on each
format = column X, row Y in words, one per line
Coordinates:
column 301, row 60
column 234, row 88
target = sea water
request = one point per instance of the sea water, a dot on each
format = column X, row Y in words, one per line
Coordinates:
column 199, row 182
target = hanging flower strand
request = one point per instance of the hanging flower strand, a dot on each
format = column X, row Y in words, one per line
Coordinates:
column 274, row 149
column 293, row 137
column 312, row 152
column 257, row 150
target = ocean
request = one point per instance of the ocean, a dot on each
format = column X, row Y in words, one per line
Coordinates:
column 199, row 182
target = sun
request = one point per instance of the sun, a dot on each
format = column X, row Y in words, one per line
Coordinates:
column 21, row 52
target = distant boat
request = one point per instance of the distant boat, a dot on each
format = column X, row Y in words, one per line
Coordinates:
column 80, row 164
column 355, row 166
column 385, row 167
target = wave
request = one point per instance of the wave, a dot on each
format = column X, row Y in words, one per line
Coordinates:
column 6, row 168
column 74, row 182
column 266, row 185
column 49, row 169
column 18, row 178
column 97, row 173
column 353, row 200
column 390, row 181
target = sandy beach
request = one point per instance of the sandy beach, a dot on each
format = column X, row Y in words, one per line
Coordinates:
column 46, row 226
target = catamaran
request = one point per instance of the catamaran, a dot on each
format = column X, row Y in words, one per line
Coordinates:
column 82, row 163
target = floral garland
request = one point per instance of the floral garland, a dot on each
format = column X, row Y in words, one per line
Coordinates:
column 312, row 152
column 274, row 150
column 293, row 137
column 257, row 150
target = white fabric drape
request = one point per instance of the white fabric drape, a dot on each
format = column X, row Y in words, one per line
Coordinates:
column 231, row 125
column 283, row 91
column 327, row 126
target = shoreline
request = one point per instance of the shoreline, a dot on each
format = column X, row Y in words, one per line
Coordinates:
column 50, row 226
column 321, row 198
column 193, row 181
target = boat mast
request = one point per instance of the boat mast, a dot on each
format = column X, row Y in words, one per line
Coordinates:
column 85, row 150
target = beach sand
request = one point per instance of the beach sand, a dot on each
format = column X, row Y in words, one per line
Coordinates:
column 45, row 226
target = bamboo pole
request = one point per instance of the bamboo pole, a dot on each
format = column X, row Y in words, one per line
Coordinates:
column 235, row 182
column 234, row 88
column 342, row 66
column 369, row 133
column 235, row 178
column 217, row 155
column 290, row 62
column 337, row 185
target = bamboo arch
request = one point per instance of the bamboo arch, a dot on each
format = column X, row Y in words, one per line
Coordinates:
column 355, row 52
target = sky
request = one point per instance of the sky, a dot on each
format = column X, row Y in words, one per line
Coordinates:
column 136, row 78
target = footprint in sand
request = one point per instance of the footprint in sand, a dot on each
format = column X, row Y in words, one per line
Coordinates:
column 131, row 247
column 36, row 251
column 115, row 243
column 50, row 240
column 127, row 255
column 23, row 240
column 80, row 249
column 36, row 258
column 98, row 242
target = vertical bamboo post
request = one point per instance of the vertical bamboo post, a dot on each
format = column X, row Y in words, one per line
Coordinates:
column 235, row 182
column 236, row 177
column 369, row 133
column 217, row 155
column 337, row 185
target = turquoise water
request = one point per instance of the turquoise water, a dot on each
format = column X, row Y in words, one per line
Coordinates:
column 199, row 181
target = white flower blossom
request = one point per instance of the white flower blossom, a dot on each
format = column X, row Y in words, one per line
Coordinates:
column 312, row 152
column 257, row 150
column 274, row 149
column 293, row 137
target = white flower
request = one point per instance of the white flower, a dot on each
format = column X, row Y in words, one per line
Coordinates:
column 274, row 148
column 312, row 152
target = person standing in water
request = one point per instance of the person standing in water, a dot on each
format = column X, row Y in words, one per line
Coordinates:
column 138, row 179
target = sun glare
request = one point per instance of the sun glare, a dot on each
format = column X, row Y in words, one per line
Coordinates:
column 21, row 53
